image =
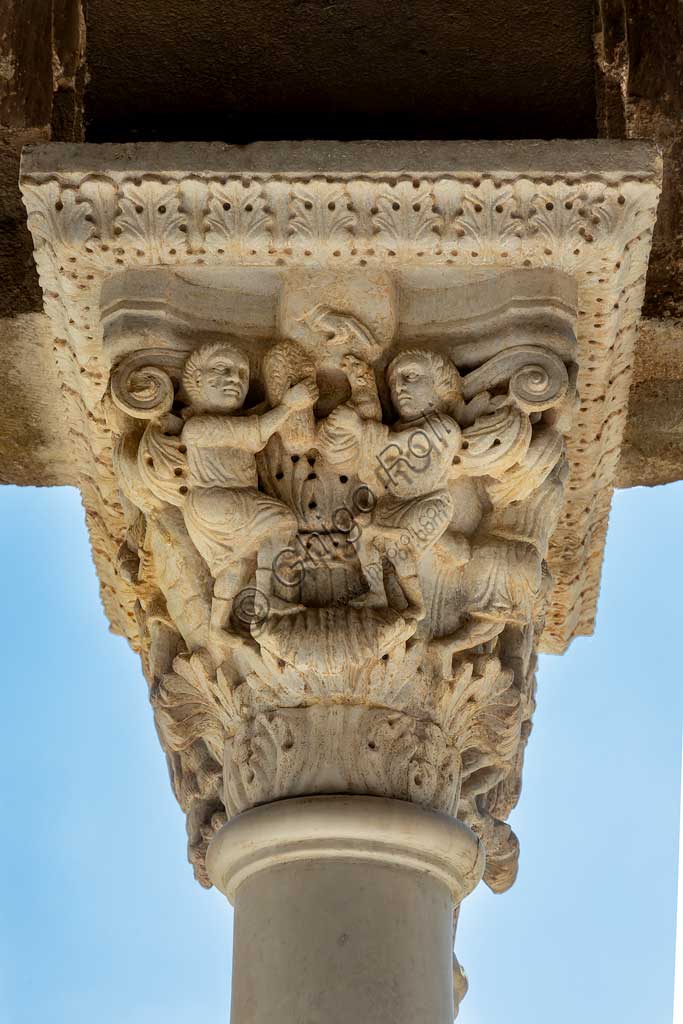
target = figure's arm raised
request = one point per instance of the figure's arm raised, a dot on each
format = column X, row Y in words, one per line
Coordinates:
column 301, row 396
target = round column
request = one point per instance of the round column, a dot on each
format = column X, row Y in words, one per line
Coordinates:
column 344, row 909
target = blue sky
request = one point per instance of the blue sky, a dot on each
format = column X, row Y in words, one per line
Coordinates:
column 101, row 920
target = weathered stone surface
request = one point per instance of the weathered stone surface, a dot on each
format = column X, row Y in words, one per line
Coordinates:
column 36, row 446
column 152, row 86
column 640, row 96
column 345, row 295
column 546, row 218
column 652, row 452
column 42, row 75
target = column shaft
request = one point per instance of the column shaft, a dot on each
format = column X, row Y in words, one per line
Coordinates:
column 333, row 942
column 344, row 909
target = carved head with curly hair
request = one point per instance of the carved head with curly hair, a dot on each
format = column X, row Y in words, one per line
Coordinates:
column 422, row 381
column 216, row 378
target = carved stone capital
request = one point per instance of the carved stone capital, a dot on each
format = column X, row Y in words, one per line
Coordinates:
column 346, row 437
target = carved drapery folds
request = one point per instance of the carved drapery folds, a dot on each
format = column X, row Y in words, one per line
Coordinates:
column 339, row 587
column 336, row 434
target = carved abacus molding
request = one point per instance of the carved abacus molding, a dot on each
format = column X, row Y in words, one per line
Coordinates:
column 595, row 226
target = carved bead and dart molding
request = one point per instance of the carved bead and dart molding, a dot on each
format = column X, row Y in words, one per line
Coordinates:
column 346, row 439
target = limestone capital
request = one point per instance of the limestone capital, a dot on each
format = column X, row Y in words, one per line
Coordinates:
column 346, row 422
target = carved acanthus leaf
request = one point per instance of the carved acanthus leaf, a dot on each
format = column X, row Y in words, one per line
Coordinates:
column 405, row 215
column 58, row 216
column 150, row 221
column 340, row 749
column 237, row 214
column 196, row 702
column 322, row 214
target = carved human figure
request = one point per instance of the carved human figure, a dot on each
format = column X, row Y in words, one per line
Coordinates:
column 506, row 580
column 227, row 518
column 407, row 466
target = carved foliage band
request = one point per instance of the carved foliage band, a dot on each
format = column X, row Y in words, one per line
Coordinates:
column 300, row 751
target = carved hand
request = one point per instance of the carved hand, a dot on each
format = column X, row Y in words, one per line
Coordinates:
column 344, row 420
column 357, row 370
column 301, row 396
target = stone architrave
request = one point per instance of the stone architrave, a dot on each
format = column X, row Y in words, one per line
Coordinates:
column 346, row 420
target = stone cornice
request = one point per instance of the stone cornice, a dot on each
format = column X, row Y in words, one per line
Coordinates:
column 567, row 158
